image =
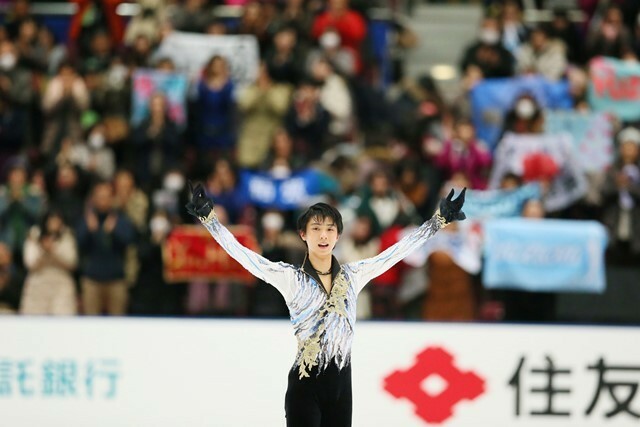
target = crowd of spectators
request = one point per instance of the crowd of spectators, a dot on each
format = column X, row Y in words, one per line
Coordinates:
column 87, row 199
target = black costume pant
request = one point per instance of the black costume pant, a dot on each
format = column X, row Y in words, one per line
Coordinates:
column 320, row 400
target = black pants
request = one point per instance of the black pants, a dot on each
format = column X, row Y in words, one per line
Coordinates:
column 322, row 400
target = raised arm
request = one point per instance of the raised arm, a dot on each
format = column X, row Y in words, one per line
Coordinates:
column 367, row 269
column 279, row 275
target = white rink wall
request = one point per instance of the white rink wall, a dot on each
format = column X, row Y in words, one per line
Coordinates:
column 165, row 372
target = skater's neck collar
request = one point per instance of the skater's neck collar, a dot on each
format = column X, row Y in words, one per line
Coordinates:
column 307, row 267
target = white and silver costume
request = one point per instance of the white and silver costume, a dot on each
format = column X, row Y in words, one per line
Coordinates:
column 323, row 322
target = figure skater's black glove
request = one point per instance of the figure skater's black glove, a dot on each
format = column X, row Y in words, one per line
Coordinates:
column 451, row 210
column 199, row 205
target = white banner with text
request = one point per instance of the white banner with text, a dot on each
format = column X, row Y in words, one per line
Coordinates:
column 199, row 372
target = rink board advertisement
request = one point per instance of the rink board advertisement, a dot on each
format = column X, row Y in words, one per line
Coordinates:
column 155, row 372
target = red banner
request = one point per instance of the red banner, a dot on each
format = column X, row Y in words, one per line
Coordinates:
column 190, row 252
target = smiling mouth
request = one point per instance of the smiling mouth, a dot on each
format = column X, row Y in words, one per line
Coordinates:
column 324, row 245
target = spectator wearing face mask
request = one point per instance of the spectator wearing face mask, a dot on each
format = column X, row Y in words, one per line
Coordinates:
column 331, row 49
column 349, row 24
column 169, row 197
column 525, row 116
column 487, row 53
column 94, row 157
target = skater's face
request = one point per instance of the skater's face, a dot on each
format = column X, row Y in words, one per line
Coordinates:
column 320, row 235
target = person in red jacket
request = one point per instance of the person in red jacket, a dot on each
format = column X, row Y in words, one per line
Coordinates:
column 349, row 24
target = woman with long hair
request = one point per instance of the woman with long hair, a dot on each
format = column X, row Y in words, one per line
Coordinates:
column 50, row 256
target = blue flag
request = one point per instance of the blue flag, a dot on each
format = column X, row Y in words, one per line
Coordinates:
column 544, row 255
column 263, row 190
column 491, row 99
column 480, row 205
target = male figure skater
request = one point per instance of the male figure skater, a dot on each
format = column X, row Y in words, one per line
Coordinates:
column 321, row 296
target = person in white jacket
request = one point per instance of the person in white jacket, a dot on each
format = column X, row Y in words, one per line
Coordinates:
column 50, row 256
column 543, row 55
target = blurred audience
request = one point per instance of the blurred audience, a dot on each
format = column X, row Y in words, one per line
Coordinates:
column 88, row 202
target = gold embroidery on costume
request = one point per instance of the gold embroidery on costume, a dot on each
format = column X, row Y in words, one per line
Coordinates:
column 308, row 353
column 443, row 222
column 309, row 349
column 338, row 296
column 209, row 218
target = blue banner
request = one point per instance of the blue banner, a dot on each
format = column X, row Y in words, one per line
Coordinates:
column 614, row 87
column 263, row 190
column 491, row 99
column 480, row 205
column 544, row 255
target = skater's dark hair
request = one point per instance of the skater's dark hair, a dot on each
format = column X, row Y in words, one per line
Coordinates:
column 320, row 211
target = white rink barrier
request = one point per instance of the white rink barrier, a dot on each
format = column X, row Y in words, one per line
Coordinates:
column 162, row 372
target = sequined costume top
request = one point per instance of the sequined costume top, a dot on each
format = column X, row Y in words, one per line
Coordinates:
column 323, row 322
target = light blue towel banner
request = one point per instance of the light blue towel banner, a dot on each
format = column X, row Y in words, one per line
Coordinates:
column 544, row 255
column 482, row 205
